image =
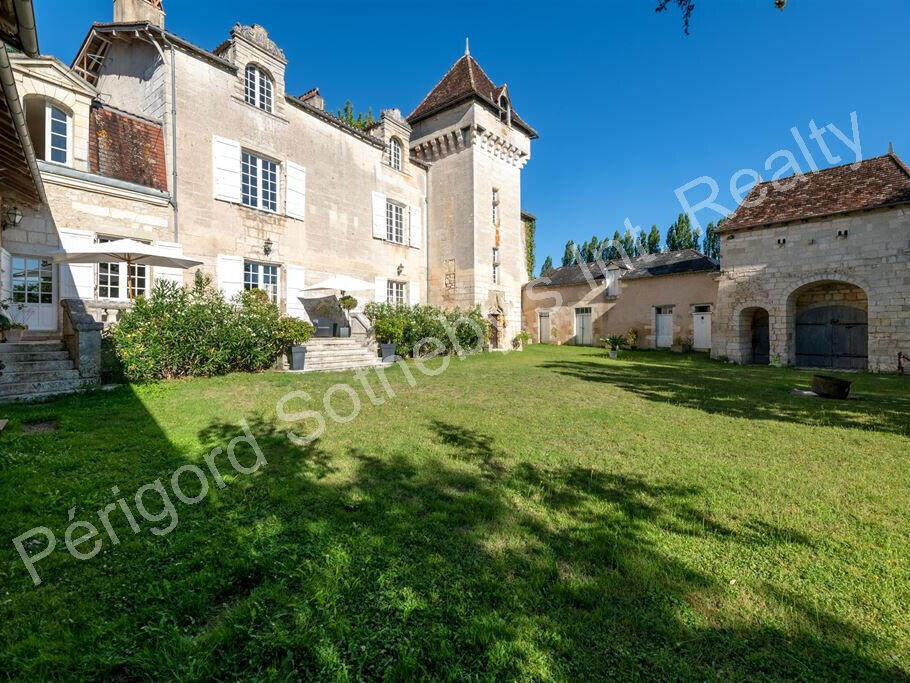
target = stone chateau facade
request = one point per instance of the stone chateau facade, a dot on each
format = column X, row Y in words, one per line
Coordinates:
column 205, row 153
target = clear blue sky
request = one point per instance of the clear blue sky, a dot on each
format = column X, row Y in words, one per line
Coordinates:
column 628, row 107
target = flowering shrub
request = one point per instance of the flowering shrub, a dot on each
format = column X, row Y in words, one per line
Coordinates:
column 177, row 332
column 409, row 327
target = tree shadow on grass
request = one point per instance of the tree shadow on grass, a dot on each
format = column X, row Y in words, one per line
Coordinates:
column 749, row 392
column 454, row 562
column 383, row 565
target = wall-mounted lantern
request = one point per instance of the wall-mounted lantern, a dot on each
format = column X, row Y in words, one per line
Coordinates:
column 11, row 217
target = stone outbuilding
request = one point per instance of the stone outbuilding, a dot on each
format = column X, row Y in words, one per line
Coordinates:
column 666, row 298
column 815, row 270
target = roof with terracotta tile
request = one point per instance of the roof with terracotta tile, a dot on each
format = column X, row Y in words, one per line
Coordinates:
column 126, row 147
column 873, row 183
column 465, row 79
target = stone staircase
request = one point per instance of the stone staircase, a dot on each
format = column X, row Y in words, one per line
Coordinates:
column 37, row 369
column 339, row 353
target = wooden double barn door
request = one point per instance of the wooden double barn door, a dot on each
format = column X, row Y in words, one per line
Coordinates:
column 832, row 337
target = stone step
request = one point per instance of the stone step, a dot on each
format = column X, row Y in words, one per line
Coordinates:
column 27, row 376
column 36, row 365
column 34, row 356
column 339, row 366
column 26, row 391
column 352, row 353
column 341, row 344
column 30, row 347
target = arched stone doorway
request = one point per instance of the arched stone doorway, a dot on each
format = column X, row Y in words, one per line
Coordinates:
column 755, row 337
column 831, row 325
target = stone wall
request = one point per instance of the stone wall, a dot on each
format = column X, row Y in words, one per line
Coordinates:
column 765, row 267
column 342, row 171
column 633, row 308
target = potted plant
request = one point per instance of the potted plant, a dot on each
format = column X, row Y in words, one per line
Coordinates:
column 389, row 331
column 348, row 304
column 5, row 325
column 614, row 342
column 520, row 339
column 294, row 334
column 15, row 332
column 632, row 339
column 326, row 308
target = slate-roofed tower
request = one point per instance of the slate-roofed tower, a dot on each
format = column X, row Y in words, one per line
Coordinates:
column 476, row 144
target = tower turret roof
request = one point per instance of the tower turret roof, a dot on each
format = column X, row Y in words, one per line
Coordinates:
column 466, row 79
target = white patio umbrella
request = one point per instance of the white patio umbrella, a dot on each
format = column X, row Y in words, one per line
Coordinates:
column 128, row 251
column 341, row 283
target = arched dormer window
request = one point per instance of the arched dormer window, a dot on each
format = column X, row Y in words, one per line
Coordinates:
column 395, row 154
column 258, row 88
column 50, row 126
column 505, row 110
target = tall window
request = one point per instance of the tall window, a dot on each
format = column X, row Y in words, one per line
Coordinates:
column 394, row 222
column 495, row 266
column 32, row 281
column 51, row 130
column 495, row 203
column 259, row 182
column 258, row 88
column 395, row 154
column 505, row 110
column 262, row 276
column 395, row 293
column 111, row 282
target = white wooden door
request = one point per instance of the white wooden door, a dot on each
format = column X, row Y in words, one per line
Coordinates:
column 701, row 326
column 33, row 292
column 583, row 326
column 664, row 330
column 543, row 328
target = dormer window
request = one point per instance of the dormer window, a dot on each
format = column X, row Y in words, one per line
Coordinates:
column 51, row 130
column 258, row 88
column 505, row 110
column 395, row 154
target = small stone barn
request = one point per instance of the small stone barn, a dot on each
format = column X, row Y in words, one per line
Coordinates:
column 665, row 298
column 815, row 270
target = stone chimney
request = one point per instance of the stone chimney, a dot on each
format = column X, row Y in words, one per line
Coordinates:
column 137, row 11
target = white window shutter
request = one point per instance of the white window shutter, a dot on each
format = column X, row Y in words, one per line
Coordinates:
column 174, row 275
column 295, row 285
column 382, row 290
column 414, row 292
column 379, row 225
column 415, row 226
column 295, row 202
column 226, row 168
column 230, row 275
column 77, row 280
column 6, row 266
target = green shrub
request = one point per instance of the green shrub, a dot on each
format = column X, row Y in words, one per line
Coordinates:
column 347, row 302
column 614, row 341
column 520, row 339
column 409, row 327
column 177, row 332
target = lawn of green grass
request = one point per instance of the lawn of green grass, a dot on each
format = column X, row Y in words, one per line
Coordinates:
column 549, row 514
